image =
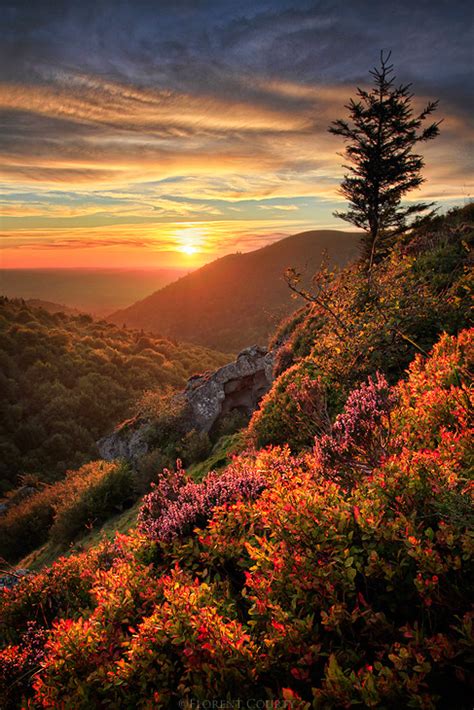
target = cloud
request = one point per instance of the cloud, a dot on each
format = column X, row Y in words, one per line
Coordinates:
column 125, row 115
column 283, row 208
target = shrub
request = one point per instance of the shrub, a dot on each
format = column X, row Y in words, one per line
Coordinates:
column 19, row 663
column 26, row 524
column 296, row 587
column 63, row 510
column 230, row 423
column 97, row 491
column 169, row 414
column 195, row 446
column 359, row 435
column 294, row 411
column 178, row 504
column 149, row 466
column 188, row 647
column 60, row 590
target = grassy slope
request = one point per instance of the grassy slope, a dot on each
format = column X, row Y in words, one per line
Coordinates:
column 223, row 451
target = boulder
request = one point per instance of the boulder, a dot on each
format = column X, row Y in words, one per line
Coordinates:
column 239, row 385
column 208, row 398
column 128, row 441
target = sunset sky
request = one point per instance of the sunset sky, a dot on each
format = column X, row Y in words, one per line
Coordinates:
column 167, row 133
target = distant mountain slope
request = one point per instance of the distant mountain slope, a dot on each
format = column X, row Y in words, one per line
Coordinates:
column 97, row 291
column 51, row 307
column 237, row 300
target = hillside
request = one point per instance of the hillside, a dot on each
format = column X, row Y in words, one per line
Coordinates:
column 67, row 379
column 327, row 566
column 422, row 289
column 51, row 307
column 236, row 301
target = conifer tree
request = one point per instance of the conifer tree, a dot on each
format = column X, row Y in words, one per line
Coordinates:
column 381, row 133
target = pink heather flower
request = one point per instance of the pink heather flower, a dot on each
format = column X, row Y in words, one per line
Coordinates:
column 358, row 436
column 177, row 504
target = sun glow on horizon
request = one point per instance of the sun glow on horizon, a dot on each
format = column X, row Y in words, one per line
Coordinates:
column 190, row 240
column 188, row 249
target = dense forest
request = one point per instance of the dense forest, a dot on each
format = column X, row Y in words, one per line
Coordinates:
column 330, row 568
column 67, row 379
column 238, row 300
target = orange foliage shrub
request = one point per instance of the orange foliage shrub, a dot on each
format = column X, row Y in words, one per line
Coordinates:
column 316, row 592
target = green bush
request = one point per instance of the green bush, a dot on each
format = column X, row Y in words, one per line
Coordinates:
column 149, row 466
column 64, row 510
column 294, row 411
column 230, row 423
column 25, row 525
column 106, row 490
column 195, row 446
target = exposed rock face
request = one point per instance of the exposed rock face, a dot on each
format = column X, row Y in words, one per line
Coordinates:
column 129, row 440
column 237, row 386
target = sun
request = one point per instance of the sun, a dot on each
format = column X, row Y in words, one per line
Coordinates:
column 188, row 249
column 189, row 240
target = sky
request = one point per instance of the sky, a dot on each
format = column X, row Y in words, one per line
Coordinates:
column 146, row 133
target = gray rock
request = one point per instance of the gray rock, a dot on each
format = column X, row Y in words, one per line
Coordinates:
column 240, row 385
column 129, row 441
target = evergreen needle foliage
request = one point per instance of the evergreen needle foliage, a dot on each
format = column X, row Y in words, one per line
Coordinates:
column 381, row 133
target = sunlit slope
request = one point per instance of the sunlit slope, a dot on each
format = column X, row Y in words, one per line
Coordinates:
column 237, row 300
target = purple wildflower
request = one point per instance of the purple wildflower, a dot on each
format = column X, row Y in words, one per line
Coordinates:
column 177, row 504
column 359, row 435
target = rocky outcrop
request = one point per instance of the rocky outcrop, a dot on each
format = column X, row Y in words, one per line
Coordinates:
column 129, row 440
column 239, row 385
column 208, row 398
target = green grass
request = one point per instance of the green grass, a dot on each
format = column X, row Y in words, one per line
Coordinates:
column 220, row 456
column 49, row 552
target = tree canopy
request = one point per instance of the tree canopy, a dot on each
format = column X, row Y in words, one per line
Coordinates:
column 381, row 133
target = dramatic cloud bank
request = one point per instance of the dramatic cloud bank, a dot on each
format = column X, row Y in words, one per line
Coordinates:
column 132, row 131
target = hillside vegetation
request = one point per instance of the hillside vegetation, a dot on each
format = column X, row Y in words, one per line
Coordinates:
column 237, row 301
column 51, row 307
column 66, row 380
column 332, row 568
column 423, row 288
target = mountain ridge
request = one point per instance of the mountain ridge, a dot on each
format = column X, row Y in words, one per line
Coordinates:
column 235, row 301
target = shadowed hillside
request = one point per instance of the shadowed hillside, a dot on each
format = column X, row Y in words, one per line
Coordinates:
column 67, row 379
column 237, row 300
